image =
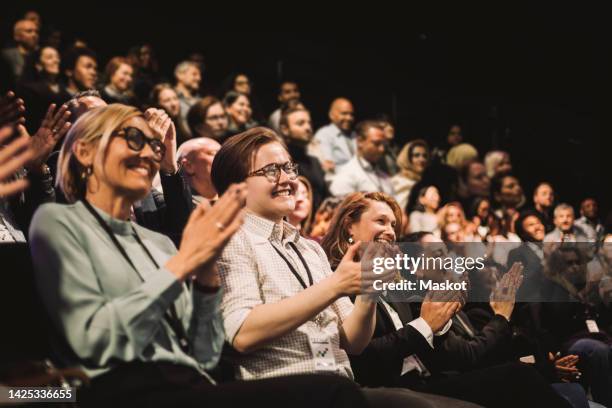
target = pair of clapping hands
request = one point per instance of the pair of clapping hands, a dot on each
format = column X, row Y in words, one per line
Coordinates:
column 24, row 150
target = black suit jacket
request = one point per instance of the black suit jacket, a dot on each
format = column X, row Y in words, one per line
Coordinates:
column 166, row 213
column 381, row 362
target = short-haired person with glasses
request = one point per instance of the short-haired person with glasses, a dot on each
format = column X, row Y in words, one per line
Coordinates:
column 140, row 317
column 285, row 312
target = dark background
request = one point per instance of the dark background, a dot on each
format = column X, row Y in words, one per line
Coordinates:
column 539, row 92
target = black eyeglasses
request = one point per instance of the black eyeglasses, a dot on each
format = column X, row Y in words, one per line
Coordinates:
column 136, row 140
column 272, row 171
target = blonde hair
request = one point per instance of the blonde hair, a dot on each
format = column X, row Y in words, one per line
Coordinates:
column 93, row 128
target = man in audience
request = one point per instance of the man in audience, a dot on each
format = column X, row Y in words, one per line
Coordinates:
column 188, row 78
column 589, row 220
column 337, row 140
column 543, row 200
column 80, row 67
column 296, row 128
column 566, row 230
column 25, row 35
column 362, row 172
column 195, row 157
column 288, row 91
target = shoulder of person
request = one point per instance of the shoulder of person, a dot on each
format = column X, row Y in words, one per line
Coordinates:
column 49, row 216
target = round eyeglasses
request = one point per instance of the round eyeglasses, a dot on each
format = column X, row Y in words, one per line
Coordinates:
column 136, row 141
column 272, row 171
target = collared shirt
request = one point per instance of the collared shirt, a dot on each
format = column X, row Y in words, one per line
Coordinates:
column 106, row 311
column 9, row 232
column 336, row 145
column 253, row 273
column 577, row 234
column 359, row 175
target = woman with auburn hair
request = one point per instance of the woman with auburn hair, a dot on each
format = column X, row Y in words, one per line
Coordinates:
column 301, row 217
column 452, row 213
column 344, row 225
column 118, row 86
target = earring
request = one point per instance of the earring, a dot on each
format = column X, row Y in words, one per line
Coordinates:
column 351, row 240
column 87, row 172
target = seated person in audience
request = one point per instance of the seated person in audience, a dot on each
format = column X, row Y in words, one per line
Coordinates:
column 572, row 319
column 452, row 138
column 208, row 118
column 565, row 229
column 497, row 163
column 301, row 216
column 508, row 195
column 473, row 183
column 40, row 84
column 164, row 96
column 423, row 217
column 452, row 213
column 288, row 91
column 412, row 161
column 421, row 353
column 117, row 293
column 285, row 312
column 362, row 172
column 80, row 66
column 16, row 213
column 296, row 129
column 118, row 86
column 543, row 203
column 188, row 77
column 195, row 157
column 589, row 218
column 239, row 111
column 336, row 141
column 479, row 215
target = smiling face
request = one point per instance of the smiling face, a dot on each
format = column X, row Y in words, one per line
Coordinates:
column 240, row 110
column 419, row 159
column 544, row 196
column 564, row 219
column 169, row 101
column 122, row 78
column 534, row 228
column 511, row 192
column 271, row 200
column 49, row 61
column 85, row 72
column 128, row 172
column 376, row 224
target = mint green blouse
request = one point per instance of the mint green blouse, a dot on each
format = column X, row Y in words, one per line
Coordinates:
column 102, row 308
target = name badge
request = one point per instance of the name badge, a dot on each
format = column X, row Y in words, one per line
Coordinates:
column 592, row 326
column 322, row 353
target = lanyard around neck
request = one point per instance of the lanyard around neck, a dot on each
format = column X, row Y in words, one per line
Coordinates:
column 292, row 268
column 171, row 316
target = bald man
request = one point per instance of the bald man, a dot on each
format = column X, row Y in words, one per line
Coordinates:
column 195, row 157
column 25, row 35
column 336, row 141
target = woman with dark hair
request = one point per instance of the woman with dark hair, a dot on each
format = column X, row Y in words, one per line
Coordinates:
column 508, row 195
column 412, row 161
column 240, row 113
column 40, row 85
column 208, row 118
column 118, row 82
column 163, row 96
column 241, row 83
column 423, row 217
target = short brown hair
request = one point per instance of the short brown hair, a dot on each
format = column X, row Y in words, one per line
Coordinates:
column 233, row 161
column 335, row 242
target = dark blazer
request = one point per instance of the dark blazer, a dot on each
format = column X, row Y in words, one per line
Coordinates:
column 166, row 213
column 382, row 360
